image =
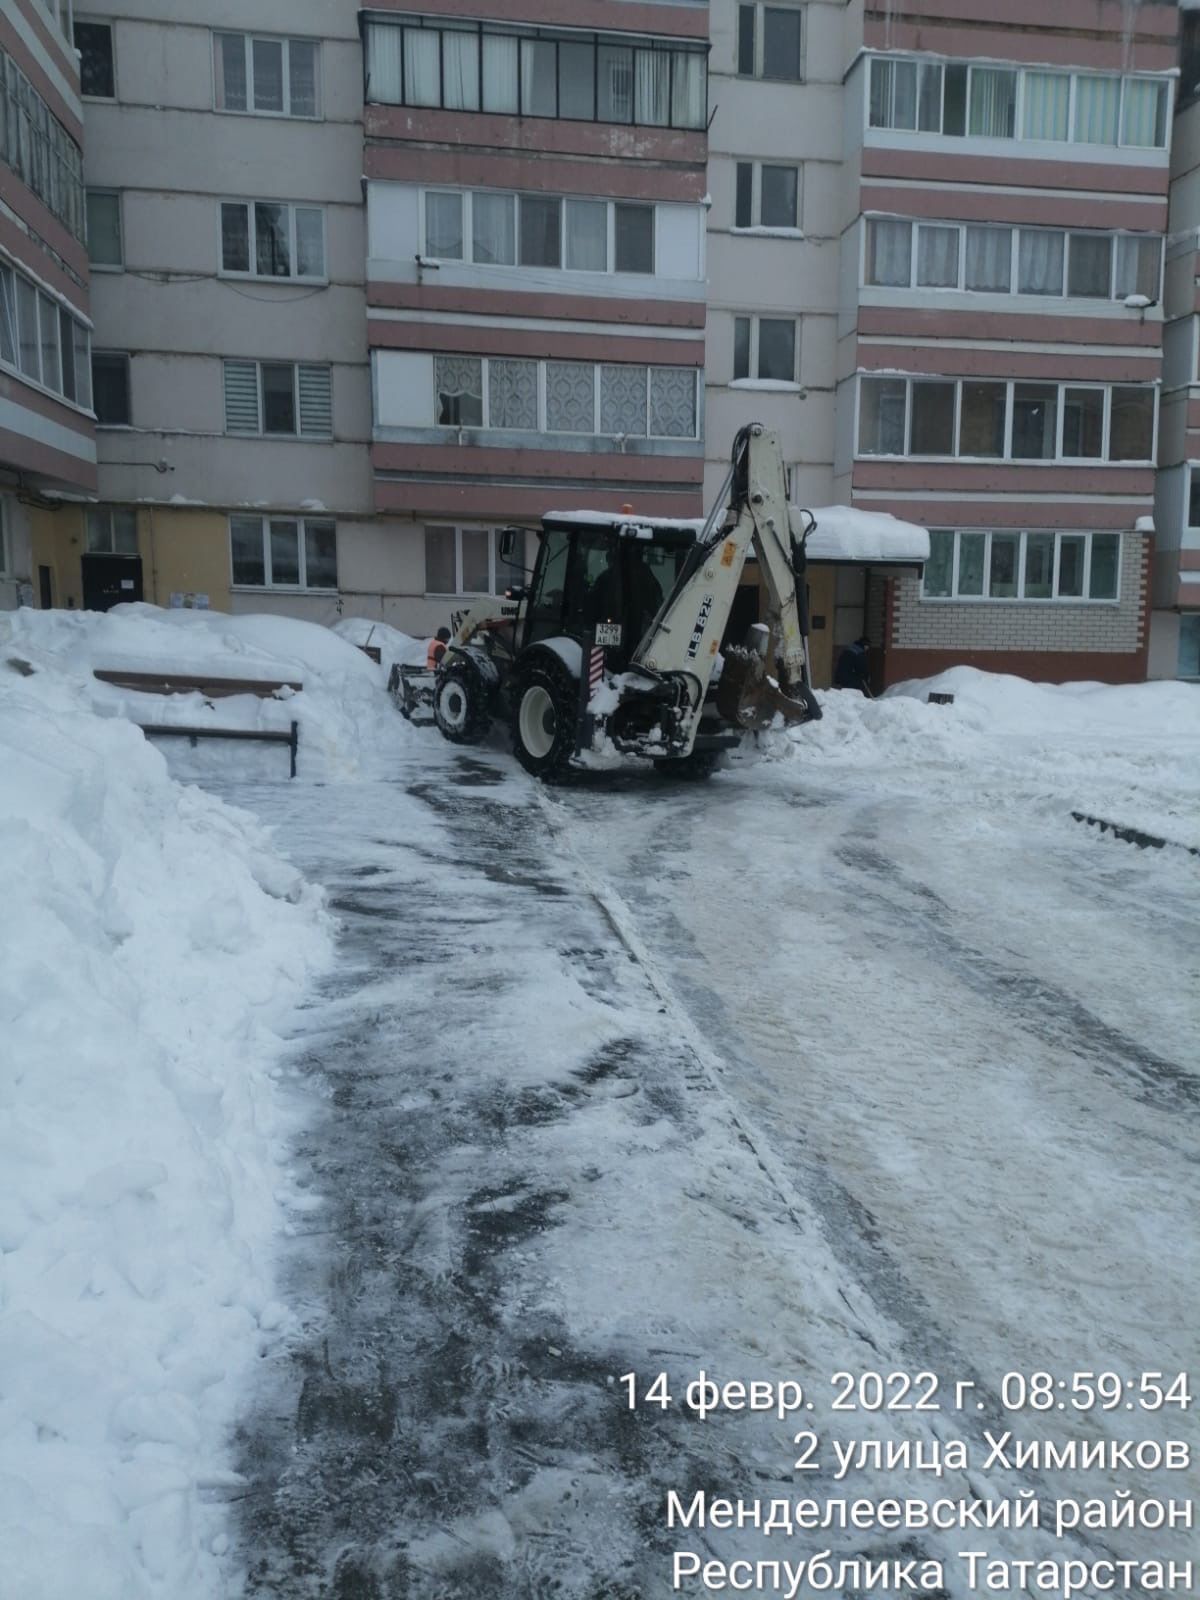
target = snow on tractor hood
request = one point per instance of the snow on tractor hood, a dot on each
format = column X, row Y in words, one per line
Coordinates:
column 844, row 533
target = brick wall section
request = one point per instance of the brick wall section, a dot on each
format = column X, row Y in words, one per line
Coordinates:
column 1038, row 626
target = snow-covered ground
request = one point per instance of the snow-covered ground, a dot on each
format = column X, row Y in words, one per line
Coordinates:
column 864, row 1055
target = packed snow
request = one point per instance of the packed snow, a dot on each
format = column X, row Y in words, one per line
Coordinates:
column 844, row 533
column 157, row 946
column 153, row 943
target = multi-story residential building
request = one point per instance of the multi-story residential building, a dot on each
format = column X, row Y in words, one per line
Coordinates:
column 1000, row 330
column 535, row 276
column 47, row 441
column 223, row 168
column 1175, row 621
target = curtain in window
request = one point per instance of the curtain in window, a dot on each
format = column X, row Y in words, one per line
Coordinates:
column 614, row 67
column 500, row 73
column 576, row 81
column 889, row 251
column 672, row 402
column 539, row 78
column 937, row 258
column 272, row 245
column 989, row 259
column 992, row 102
column 302, row 78
column 443, row 225
column 422, row 67
column 1041, row 263
column 1047, row 96
column 1137, row 267
column 512, row 393
column 652, row 87
column 1097, row 101
column 570, row 397
column 623, row 400
column 460, row 71
column 310, row 242
column 1142, row 112
column 587, row 235
column 493, row 229
column 458, row 381
column 688, row 90
column 881, row 420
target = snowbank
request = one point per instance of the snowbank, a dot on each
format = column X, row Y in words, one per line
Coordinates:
column 1129, row 753
column 347, row 723
column 152, row 939
column 393, row 646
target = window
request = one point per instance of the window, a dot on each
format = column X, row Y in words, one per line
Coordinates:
column 267, row 77
column 1188, row 661
column 38, row 148
column 566, row 397
column 954, row 98
column 1018, row 565
column 97, row 78
column 994, row 419
column 766, row 196
column 42, row 340
column 764, row 347
column 579, row 77
column 633, row 227
column 111, row 531
column 538, row 230
column 770, row 42
column 104, row 228
column 267, row 239
column 465, row 561
column 110, row 390
column 283, row 553
column 1049, row 261
column 283, row 398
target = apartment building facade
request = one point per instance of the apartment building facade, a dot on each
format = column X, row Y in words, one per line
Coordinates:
column 535, row 276
column 225, row 233
column 1000, row 336
column 47, row 440
column 1175, row 619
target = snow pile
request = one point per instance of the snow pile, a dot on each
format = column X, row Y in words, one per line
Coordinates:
column 1129, row 753
column 347, row 724
column 152, row 940
column 393, row 646
column 843, row 533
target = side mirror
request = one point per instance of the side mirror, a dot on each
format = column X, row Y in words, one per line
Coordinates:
column 512, row 552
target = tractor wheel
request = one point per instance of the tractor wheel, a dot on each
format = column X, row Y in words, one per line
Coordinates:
column 545, row 709
column 461, row 706
column 695, row 768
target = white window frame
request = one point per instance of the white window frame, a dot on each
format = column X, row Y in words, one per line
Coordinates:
column 1021, row 598
column 262, row 432
column 494, row 564
column 1062, row 385
column 756, row 224
column 302, row 525
column 467, row 259
column 1116, row 236
column 286, row 40
column 291, row 207
column 101, row 22
column 11, row 273
column 1017, row 136
column 760, row 36
column 755, row 318
column 109, row 549
column 542, row 425
column 118, row 196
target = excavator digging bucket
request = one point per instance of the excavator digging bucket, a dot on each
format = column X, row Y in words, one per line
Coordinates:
column 749, row 698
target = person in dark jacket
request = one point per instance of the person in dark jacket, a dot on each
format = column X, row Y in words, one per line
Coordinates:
column 854, row 667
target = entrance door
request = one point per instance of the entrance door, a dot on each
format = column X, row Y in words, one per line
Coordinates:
column 45, row 588
column 111, row 581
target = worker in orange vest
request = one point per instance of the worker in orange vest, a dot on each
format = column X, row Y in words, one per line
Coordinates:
column 437, row 648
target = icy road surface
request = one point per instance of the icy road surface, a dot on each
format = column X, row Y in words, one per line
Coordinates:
column 772, row 1077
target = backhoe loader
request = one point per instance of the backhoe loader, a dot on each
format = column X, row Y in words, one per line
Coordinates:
column 615, row 640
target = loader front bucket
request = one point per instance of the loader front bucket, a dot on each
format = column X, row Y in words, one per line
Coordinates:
column 749, row 698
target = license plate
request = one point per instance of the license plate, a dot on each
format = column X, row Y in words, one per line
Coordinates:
column 608, row 633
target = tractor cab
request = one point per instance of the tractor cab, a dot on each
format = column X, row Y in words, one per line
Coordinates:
column 603, row 576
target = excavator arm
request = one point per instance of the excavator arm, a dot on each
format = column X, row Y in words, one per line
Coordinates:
column 681, row 645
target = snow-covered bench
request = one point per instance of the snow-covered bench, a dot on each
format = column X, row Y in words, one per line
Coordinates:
column 212, row 687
